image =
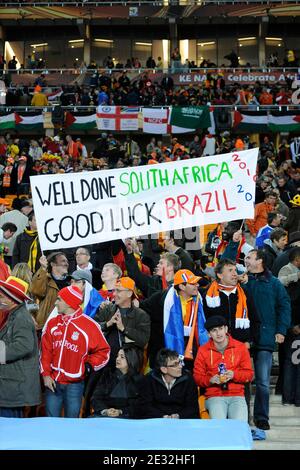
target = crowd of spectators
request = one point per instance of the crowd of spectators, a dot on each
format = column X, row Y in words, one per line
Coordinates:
column 102, row 88
column 125, row 289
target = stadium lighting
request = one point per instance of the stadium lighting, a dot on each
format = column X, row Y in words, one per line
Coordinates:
column 39, row 45
column 110, row 41
column 247, row 39
column 143, row 43
column 209, row 43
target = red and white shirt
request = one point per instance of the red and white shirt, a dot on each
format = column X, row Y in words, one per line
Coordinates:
column 68, row 342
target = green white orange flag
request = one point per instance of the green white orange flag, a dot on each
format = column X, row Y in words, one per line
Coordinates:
column 80, row 123
column 287, row 123
column 7, row 122
column 29, row 123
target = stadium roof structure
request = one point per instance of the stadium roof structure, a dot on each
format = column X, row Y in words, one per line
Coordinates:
column 35, row 10
column 33, row 3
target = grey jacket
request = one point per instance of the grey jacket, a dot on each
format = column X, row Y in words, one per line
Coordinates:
column 288, row 274
column 136, row 333
column 19, row 361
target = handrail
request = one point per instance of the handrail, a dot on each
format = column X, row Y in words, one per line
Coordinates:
column 131, row 2
column 172, row 70
column 93, row 108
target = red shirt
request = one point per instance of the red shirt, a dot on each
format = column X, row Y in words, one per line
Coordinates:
column 236, row 357
column 68, row 342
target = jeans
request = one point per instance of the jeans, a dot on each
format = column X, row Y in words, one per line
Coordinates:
column 262, row 366
column 227, row 407
column 67, row 396
column 11, row 412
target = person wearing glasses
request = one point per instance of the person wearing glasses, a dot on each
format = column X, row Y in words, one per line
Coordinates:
column 122, row 322
column 168, row 391
column 83, row 258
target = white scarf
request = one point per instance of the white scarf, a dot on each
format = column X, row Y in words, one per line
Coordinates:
column 88, row 268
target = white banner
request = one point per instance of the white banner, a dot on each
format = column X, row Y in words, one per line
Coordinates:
column 117, row 118
column 155, row 120
column 84, row 208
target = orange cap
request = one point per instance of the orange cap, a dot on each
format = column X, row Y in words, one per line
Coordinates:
column 127, row 283
column 4, row 202
column 184, row 276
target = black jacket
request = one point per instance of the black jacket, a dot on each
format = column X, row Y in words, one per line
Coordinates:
column 270, row 254
column 186, row 259
column 281, row 260
column 156, row 401
column 147, row 284
column 25, row 178
column 137, row 329
column 154, row 306
column 293, row 221
column 115, row 390
column 21, row 251
column 96, row 278
column 101, row 254
column 227, row 310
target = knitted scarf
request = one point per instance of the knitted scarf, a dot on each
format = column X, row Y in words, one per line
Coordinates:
column 33, row 249
column 213, row 301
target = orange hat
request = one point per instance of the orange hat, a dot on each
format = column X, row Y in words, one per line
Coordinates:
column 152, row 162
column 239, row 144
column 127, row 283
column 37, row 88
column 184, row 276
column 15, row 289
column 4, row 202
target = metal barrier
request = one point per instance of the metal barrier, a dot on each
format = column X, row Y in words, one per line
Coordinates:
column 7, row 3
column 91, row 108
column 141, row 70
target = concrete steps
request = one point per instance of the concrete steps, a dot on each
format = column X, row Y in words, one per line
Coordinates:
column 284, row 420
column 276, row 445
column 284, row 433
column 284, row 411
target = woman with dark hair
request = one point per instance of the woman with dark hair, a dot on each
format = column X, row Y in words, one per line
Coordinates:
column 116, row 392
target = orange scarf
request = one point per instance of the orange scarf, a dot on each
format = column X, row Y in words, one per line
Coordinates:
column 223, row 245
column 213, row 301
column 21, row 171
column 191, row 321
column 161, row 239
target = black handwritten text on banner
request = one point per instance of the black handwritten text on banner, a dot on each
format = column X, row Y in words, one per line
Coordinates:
column 92, row 207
